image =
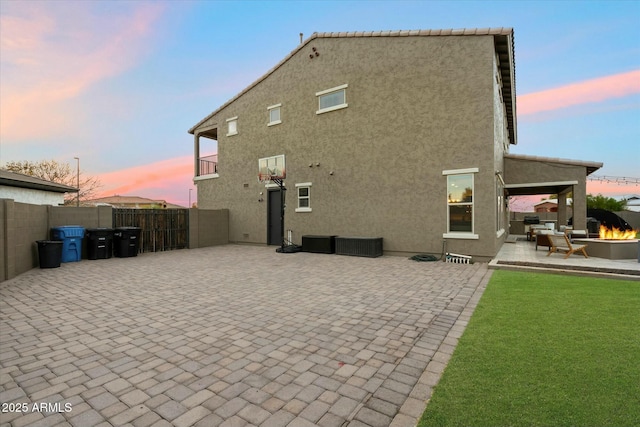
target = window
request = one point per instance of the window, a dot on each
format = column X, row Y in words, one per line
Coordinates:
column 460, row 213
column 332, row 99
column 232, row 126
column 274, row 115
column 304, row 197
column 500, row 212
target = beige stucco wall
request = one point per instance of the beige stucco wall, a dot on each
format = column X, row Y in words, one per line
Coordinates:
column 417, row 106
column 500, row 147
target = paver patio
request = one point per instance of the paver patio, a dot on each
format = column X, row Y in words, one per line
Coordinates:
column 231, row 336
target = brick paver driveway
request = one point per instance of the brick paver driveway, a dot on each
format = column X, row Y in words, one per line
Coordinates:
column 231, row 335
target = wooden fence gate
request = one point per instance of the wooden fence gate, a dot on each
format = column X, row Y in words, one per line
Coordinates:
column 161, row 229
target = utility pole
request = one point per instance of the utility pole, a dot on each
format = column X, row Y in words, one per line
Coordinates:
column 78, row 181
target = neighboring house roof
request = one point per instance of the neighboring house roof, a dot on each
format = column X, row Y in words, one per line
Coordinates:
column 504, row 48
column 126, row 201
column 591, row 166
column 552, row 201
column 629, row 198
column 633, row 202
column 13, row 179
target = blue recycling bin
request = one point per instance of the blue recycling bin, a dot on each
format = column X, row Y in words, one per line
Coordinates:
column 71, row 237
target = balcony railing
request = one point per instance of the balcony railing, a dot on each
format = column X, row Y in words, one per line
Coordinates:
column 208, row 165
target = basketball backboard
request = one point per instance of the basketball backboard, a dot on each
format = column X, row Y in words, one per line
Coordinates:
column 271, row 167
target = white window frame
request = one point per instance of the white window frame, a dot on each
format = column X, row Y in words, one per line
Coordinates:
column 306, row 185
column 500, row 205
column 272, row 108
column 462, row 234
column 341, row 88
column 229, row 121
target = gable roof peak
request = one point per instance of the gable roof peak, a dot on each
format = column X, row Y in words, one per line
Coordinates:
column 504, row 48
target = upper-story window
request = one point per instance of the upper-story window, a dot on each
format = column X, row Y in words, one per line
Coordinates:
column 274, row 115
column 232, row 126
column 332, row 99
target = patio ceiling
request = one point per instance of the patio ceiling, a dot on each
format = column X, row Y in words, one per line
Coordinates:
column 530, row 189
column 526, row 175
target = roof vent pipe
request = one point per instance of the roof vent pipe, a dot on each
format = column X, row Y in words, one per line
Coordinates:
column 301, row 35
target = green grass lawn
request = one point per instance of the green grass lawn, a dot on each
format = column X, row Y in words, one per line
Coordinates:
column 545, row 350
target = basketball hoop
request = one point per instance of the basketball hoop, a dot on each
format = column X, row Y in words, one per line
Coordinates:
column 270, row 176
column 264, row 178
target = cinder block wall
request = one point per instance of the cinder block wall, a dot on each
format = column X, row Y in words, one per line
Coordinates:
column 208, row 227
column 98, row 217
column 22, row 225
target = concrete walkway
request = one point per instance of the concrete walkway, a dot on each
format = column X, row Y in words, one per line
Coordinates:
column 522, row 255
column 230, row 336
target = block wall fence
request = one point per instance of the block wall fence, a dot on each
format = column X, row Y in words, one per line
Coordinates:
column 22, row 225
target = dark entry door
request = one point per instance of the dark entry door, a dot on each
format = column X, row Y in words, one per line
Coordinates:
column 274, row 226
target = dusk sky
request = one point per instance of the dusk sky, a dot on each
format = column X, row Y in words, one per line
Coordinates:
column 118, row 84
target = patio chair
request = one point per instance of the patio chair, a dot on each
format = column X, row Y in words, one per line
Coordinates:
column 542, row 238
column 577, row 234
column 561, row 243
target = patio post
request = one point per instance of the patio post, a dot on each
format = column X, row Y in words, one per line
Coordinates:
column 562, row 210
column 196, row 154
column 580, row 205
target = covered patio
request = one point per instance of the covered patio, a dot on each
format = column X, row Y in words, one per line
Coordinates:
column 531, row 175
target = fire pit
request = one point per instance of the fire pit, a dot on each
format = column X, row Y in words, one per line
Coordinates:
column 612, row 244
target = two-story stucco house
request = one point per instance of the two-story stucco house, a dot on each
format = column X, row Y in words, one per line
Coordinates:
column 401, row 135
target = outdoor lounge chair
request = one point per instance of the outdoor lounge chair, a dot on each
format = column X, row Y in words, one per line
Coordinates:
column 561, row 243
column 577, row 234
column 542, row 238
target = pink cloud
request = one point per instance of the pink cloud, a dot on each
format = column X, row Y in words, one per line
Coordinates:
column 589, row 91
column 610, row 189
column 526, row 203
column 51, row 56
column 169, row 180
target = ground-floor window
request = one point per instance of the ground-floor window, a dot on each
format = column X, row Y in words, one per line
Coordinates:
column 460, row 208
column 500, row 207
column 304, row 197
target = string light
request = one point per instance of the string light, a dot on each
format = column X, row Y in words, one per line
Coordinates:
column 620, row 180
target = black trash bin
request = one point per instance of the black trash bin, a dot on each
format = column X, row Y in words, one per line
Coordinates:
column 125, row 241
column 99, row 243
column 49, row 253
